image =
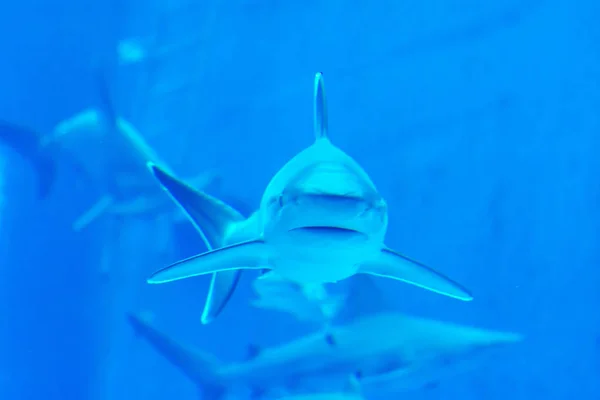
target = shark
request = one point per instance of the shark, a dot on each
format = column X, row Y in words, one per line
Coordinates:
column 125, row 189
column 320, row 220
column 120, row 171
column 384, row 352
column 108, row 151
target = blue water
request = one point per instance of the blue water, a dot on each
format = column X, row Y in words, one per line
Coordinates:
column 478, row 123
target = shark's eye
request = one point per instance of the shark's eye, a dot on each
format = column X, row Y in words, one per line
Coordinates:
column 286, row 198
column 277, row 201
column 380, row 205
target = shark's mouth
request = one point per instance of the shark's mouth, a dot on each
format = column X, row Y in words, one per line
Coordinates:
column 328, row 231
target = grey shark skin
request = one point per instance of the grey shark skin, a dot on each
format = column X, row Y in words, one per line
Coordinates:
column 320, row 220
column 383, row 349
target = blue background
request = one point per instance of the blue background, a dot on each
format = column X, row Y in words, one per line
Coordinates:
column 478, row 122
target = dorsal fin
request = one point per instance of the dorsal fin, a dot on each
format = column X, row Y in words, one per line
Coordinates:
column 320, row 108
column 106, row 105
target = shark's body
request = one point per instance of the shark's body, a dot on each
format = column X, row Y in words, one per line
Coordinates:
column 108, row 151
column 220, row 224
column 113, row 155
column 392, row 349
column 320, row 220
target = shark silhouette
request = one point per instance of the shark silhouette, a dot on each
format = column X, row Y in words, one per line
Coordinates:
column 377, row 352
column 107, row 150
column 320, row 220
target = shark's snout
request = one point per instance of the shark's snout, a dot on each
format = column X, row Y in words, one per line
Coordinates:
column 316, row 199
column 335, row 180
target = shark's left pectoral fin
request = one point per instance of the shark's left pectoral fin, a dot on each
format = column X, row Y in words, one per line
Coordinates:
column 390, row 264
column 246, row 255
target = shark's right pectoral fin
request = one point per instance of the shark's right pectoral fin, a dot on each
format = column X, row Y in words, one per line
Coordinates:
column 253, row 254
column 390, row 264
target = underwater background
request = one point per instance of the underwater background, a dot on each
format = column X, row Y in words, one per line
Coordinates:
column 478, row 122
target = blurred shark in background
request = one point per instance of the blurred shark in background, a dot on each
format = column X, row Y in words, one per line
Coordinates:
column 110, row 153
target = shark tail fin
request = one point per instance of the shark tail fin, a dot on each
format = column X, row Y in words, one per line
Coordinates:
column 198, row 367
column 212, row 218
column 27, row 143
column 320, row 108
